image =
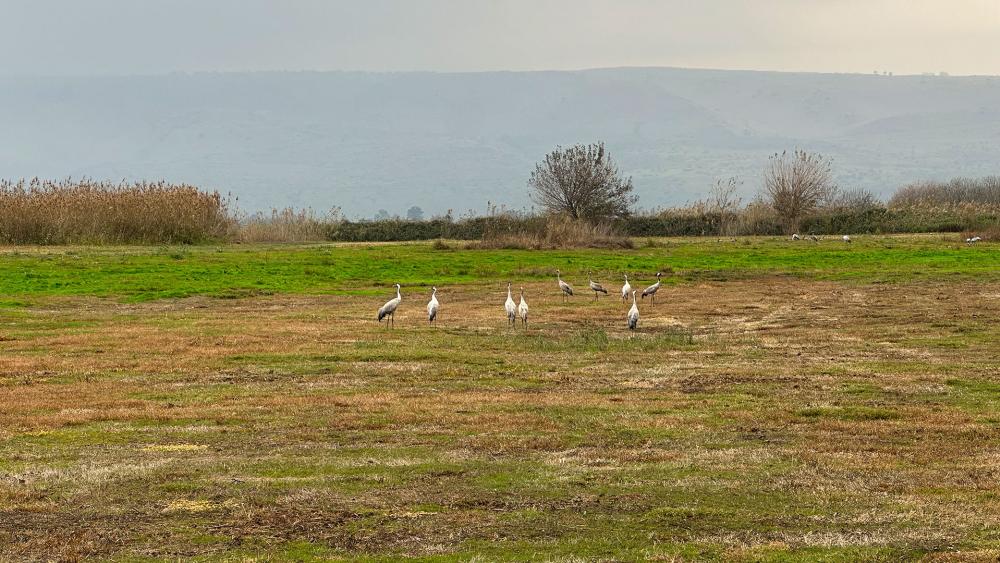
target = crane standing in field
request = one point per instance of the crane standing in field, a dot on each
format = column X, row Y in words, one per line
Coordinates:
column 389, row 309
column 563, row 286
column 595, row 287
column 432, row 306
column 651, row 290
column 522, row 310
column 626, row 289
column 847, row 238
column 510, row 308
column 633, row 313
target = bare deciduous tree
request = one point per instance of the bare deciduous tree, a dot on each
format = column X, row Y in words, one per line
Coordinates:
column 984, row 191
column 582, row 182
column 857, row 199
column 724, row 200
column 796, row 184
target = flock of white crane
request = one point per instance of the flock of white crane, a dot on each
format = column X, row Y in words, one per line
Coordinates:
column 519, row 310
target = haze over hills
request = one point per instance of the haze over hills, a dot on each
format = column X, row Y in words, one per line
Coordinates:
column 370, row 141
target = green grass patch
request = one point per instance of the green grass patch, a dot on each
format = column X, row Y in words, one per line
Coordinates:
column 142, row 273
column 977, row 397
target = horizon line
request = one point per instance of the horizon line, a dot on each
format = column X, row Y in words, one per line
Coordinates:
column 874, row 74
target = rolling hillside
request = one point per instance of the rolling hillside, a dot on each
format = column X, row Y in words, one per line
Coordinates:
column 367, row 141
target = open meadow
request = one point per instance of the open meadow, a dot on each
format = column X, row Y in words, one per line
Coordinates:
column 780, row 401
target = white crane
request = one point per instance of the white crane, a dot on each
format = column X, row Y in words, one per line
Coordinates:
column 796, row 236
column 633, row 313
column 847, row 238
column 389, row 309
column 651, row 290
column 563, row 286
column 522, row 310
column 626, row 289
column 972, row 240
column 432, row 306
column 510, row 308
column 595, row 287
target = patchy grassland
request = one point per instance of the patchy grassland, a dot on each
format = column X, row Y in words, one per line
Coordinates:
column 781, row 401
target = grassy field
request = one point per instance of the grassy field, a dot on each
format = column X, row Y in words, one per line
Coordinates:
column 781, row 401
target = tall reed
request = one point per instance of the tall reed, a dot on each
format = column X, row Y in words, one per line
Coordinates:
column 90, row 212
column 286, row 225
column 556, row 231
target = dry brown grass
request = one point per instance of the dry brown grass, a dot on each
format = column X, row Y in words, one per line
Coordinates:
column 207, row 395
column 285, row 225
column 807, row 419
column 557, row 231
column 88, row 212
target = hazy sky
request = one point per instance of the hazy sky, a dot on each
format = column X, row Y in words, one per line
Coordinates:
column 157, row 36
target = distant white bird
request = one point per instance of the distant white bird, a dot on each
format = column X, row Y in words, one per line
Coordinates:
column 510, row 307
column 796, row 236
column 389, row 309
column 432, row 306
column 971, row 240
column 847, row 238
column 522, row 310
column 563, row 286
column 651, row 290
column 633, row 313
column 626, row 289
column 596, row 287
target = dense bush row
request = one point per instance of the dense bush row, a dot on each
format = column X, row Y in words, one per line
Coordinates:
column 402, row 230
column 683, row 223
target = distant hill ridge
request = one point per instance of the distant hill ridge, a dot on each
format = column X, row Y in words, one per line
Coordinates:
column 370, row 141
